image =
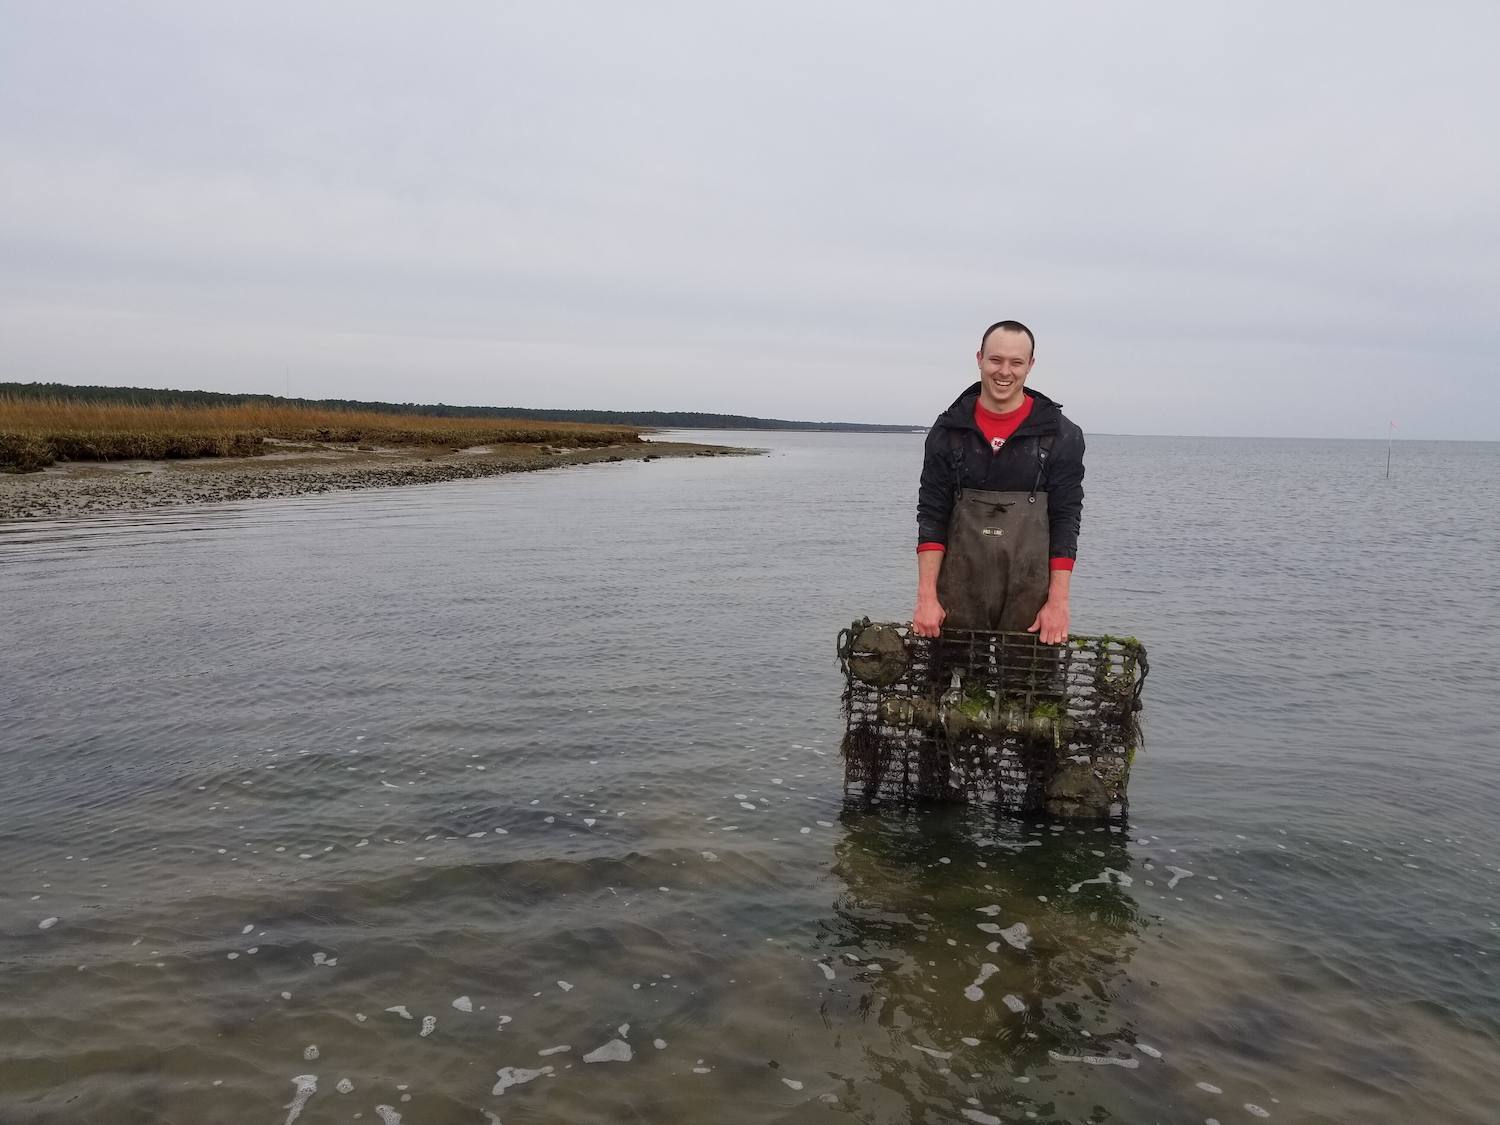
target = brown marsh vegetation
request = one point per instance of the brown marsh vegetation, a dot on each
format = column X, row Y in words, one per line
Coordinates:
column 35, row 433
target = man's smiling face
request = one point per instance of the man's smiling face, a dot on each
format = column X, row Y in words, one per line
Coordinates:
column 1004, row 362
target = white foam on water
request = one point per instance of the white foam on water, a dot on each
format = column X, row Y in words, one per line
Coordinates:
column 1178, row 874
column 805, row 832
column 1255, row 1111
column 989, row 911
column 429, row 1025
column 1105, row 878
column 565, row 986
column 659, row 1044
column 1145, row 1050
column 1017, row 936
column 46, row 923
column 981, row 1118
column 747, row 805
column 549, row 820
column 1014, row 1003
column 624, row 1030
column 232, row 956
column 516, row 1076
column 616, row 1050
column 463, row 1004
column 825, row 824
column 561, row 1049
column 933, row 1051
column 491, row 1117
column 975, row 991
column 503, row 1021
column 989, row 927
column 248, row 928
column 306, row 1087
column 969, row 1041
column 702, row 1070
column 500, row 831
column 792, row 1083
column 387, row 1115
column 1209, row 1088
column 310, row 1052
column 400, row 1010
column 1094, row 1060
column 827, row 969
column 589, row 822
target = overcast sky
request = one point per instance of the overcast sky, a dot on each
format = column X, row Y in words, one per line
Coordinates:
column 1262, row 219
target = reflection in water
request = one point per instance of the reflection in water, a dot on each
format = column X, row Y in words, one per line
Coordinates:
column 984, row 965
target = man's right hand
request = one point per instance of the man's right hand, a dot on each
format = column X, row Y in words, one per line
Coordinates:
column 927, row 618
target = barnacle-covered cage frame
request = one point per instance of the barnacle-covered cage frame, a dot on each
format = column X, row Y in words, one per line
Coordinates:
column 976, row 716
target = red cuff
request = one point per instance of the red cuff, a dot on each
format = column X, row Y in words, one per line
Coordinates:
column 930, row 547
column 1061, row 564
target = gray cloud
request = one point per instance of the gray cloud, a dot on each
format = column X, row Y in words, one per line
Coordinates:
column 1250, row 218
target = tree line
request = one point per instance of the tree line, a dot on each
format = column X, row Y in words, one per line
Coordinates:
column 660, row 419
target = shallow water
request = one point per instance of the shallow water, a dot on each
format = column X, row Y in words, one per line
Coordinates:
column 398, row 793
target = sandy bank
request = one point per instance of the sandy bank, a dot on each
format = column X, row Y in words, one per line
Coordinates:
column 93, row 488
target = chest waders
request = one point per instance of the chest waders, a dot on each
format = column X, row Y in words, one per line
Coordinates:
column 996, row 571
column 995, row 577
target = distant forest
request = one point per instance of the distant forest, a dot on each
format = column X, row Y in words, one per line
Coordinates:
column 662, row 419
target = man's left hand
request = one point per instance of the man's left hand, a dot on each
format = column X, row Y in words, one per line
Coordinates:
column 1051, row 622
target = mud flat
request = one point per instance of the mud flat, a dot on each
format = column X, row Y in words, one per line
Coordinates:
column 96, row 488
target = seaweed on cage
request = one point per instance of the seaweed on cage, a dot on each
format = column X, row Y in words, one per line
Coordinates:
column 977, row 716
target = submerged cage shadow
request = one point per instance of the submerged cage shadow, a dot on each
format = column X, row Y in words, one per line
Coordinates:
column 999, row 718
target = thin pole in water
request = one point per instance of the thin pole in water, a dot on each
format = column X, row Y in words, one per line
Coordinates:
column 1389, row 434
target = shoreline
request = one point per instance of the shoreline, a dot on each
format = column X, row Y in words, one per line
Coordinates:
column 92, row 488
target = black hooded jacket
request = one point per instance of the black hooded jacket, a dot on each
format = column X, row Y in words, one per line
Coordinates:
column 958, row 456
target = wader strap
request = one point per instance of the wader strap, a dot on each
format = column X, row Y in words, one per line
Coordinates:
column 1044, row 451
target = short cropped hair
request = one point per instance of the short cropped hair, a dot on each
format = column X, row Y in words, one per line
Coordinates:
column 1008, row 326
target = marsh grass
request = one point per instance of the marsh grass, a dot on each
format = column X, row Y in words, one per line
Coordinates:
column 35, row 433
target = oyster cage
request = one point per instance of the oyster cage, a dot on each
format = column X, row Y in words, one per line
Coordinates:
column 1001, row 718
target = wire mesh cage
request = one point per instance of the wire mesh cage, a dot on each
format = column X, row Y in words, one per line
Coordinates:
column 991, row 717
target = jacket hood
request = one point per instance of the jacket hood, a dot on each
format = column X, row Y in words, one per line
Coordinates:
column 1044, row 416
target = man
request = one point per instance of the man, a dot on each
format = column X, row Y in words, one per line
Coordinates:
column 1000, row 501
